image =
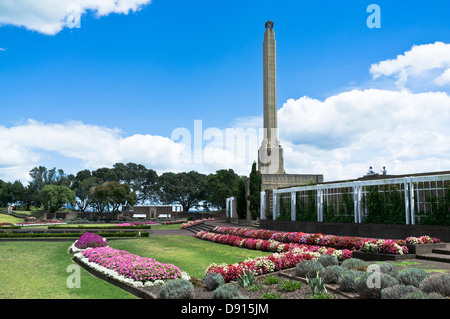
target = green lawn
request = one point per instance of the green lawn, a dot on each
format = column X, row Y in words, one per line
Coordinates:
column 38, row 270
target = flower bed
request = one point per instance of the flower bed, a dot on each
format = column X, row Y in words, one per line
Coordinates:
column 121, row 265
column 386, row 246
column 44, row 222
column 179, row 221
column 195, row 222
column 90, row 240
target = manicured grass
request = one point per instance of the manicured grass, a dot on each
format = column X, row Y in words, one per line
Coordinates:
column 38, row 270
column 10, row 219
column 190, row 254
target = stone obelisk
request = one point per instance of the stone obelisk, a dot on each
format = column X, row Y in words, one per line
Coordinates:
column 270, row 155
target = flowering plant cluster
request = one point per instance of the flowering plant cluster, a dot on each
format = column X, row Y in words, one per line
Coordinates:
column 195, row 222
column 384, row 247
column 422, row 240
column 127, row 267
column 42, row 222
column 90, row 240
column 179, row 221
column 271, row 263
column 387, row 246
column 136, row 224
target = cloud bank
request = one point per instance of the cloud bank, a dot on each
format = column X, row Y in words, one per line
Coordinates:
column 51, row 16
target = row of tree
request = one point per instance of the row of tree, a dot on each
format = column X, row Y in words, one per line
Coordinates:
column 112, row 189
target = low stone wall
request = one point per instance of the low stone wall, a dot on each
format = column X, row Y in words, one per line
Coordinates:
column 383, row 231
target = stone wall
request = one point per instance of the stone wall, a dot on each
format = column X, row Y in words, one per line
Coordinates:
column 385, row 231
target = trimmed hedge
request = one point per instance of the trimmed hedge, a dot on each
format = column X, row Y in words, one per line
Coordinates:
column 65, row 235
column 101, row 227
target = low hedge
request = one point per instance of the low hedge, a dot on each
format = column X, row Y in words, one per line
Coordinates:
column 59, row 235
column 100, row 227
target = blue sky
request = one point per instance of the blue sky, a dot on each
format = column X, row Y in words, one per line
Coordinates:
column 142, row 71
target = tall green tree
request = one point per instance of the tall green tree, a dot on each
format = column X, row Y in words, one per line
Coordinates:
column 220, row 186
column 55, row 196
column 186, row 189
column 254, row 192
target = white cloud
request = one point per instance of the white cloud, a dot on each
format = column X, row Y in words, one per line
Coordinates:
column 25, row 146
column 343, row 135
column 51, row 16
column 426, row 61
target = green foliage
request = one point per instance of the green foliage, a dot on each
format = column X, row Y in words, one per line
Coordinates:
column 241, row 201
column 309, row 268
column 412, row 276
column 177, row 289
column 332, row 273
column 254, row 197
column 439, row 213
column 388, row 268
column 226, row 291
column 385, row 205
column 270, row 295
column 373, row 291
column 187, row 189
column 439, row 283
column 355, row 264
column 316, row 284
column 220, row 186
column 398, row 291
column 306, row 210
column 55, row 196
column 328, row 260
column 246, row 279
column 213, row 280
column 346, row 281
column 290, row 285
column 321, row 296
column 271, row 280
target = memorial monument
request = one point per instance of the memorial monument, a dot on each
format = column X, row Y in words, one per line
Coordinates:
column 270, row 154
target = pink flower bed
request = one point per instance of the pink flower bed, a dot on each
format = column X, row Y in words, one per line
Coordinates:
column 136, row 224
column 40, row 223
column 195, row 222
column 387, row 246
column 131, row 266
column 90, row 240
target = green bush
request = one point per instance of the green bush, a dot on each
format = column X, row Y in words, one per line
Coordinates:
column 369, row 292
column 213, row 280
column 332, row 273
column 226, row 292
column 177, row 289
column 346, row 281
column 412, row 276
column 436, row 283
column 270, row 295
column 398, row 292
column 309, row 268
column 328, row 260
column 355, row 264
column 388, row 268
column 271, row 280
column 290, row 285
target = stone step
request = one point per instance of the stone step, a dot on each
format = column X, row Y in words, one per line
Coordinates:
column 443, row 251
column 435, row 257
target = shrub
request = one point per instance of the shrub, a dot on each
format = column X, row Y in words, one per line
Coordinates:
column 246, row 279
column 367, row 291
column 398, row 292
column 226, row 292
column 355, row 264
column 332, row 273
column 421, row 295
column 271, row 280
column 347, row 279
column 290, row 285
column 388, row 268
column 213, row 280
column 436, row 283
column 309, row 268
column 328, row 260
column 412, row 276
column 177, row 289
column 270, row 295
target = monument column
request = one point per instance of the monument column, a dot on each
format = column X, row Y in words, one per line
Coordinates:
column 270, row 155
